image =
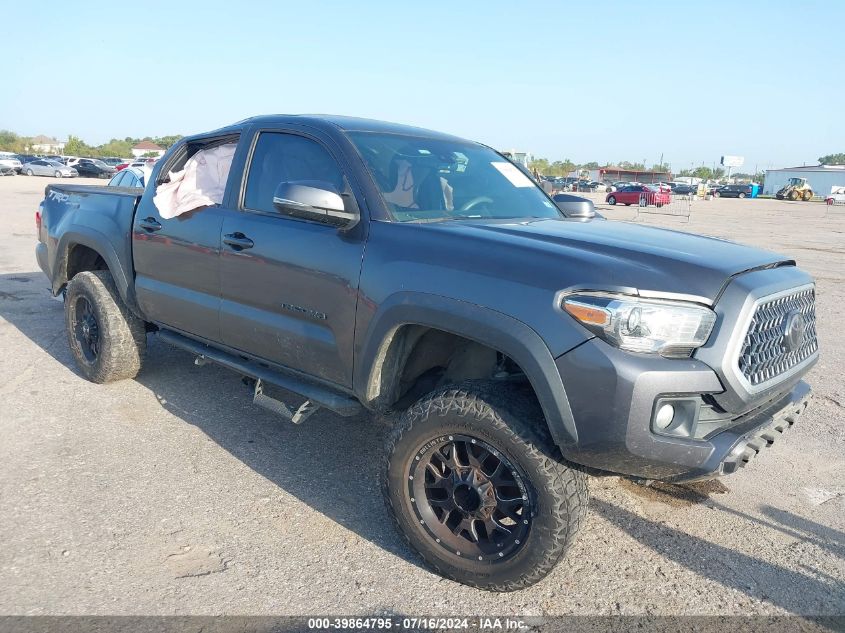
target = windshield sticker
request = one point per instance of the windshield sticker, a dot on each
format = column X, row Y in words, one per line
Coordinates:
column 512, row 173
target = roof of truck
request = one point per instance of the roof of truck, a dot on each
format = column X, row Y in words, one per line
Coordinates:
column 342, row 123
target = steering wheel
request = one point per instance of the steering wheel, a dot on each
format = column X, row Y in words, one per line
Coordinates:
column 471, row 204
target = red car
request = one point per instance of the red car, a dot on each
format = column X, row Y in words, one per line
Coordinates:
column 642, row 195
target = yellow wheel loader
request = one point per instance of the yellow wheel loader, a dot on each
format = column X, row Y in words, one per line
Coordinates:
column 795, row 189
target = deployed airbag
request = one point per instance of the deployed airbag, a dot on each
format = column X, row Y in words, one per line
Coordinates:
column 200, row 183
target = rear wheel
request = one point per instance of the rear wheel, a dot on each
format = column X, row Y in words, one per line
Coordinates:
column 611, row 200
column 477, row 487
column 108, row 342
column 57, row 174
column 741, row 195
column 716, row 194
column 808, row 195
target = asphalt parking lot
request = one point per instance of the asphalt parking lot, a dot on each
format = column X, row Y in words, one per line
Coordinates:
column 172, row 494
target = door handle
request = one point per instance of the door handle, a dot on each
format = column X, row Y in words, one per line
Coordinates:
column 150, row 224
column 238, row 241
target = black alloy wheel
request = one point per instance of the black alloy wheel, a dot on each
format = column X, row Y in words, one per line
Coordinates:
column 86, row 329
column 470, row 498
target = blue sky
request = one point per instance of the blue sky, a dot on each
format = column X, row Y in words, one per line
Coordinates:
column 604, row 81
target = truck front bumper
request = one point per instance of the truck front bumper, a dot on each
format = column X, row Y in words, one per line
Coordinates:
column 613, row 396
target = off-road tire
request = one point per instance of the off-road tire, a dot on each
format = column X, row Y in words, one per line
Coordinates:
column 808, row 195
column 122, row 335
column 508, row 418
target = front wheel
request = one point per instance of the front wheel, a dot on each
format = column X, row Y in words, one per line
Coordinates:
column 611, row 200
column 57, row 174
column 106, row 339
column 477, row 487
column 29, row 172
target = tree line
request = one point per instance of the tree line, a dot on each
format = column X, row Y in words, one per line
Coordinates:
column 562, row 168
column 75, row 146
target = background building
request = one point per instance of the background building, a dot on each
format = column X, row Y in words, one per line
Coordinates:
column 521, row 158
column 820, row 178
column 146, row 147
column 612, row 173
column 47, row 145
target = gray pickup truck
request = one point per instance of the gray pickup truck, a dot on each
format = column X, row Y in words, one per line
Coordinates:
column 357, row 266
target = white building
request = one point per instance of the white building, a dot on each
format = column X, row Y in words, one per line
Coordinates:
column 147, row 147
column 47, row 145
column 521, row 158
column 821, row 178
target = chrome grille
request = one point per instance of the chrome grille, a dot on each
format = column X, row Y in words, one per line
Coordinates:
column 768, row 351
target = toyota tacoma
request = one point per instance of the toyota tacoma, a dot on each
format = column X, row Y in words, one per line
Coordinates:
column 516, row 342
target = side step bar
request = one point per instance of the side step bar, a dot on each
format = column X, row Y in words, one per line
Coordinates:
column 317, row 395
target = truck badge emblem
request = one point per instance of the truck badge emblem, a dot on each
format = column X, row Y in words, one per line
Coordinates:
column 794, row 328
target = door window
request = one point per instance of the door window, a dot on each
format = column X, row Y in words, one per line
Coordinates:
column 280, row 157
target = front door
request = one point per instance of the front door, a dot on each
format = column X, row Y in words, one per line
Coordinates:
column 289, row 287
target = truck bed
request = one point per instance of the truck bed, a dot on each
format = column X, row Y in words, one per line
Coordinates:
column 95, row 216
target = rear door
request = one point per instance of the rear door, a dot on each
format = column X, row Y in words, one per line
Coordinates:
column 177, row 264
column 289, row 287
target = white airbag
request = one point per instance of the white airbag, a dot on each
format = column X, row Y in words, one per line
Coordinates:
column 200, row 183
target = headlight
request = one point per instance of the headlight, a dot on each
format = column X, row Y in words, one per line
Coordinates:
column 673, row 329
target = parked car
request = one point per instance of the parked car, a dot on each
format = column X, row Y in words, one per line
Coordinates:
column 642, row 195
column 112, row 161
column 836, row 196
column 569, row 183
column 28, row 158
column 733, row 191
column 149, row 162
column 43, row 167
column 611, row 346
column 683, row 189
column 12, row 162
column 5, row 170
column 129, row 177
column 94, row 168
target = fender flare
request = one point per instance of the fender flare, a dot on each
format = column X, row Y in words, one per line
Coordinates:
column 96, row 241
column 483, row 325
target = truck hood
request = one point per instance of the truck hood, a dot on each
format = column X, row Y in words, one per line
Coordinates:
column 622, row 254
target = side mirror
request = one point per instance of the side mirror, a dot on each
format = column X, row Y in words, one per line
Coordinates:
column 316, row 201
column 575, row 207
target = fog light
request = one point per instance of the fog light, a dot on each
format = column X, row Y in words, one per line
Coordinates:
column 664, row 417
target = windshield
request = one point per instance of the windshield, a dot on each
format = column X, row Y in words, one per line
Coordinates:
column 426, row 179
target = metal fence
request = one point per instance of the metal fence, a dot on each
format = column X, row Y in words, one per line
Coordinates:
column 664, row 203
